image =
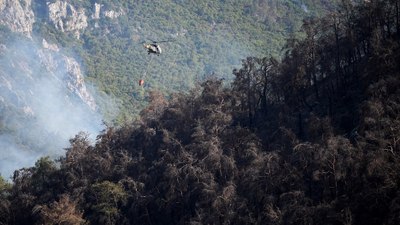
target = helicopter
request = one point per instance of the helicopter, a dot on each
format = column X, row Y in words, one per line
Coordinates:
column 154, row 47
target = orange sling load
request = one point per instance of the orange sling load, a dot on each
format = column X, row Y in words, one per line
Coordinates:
column 141, row 82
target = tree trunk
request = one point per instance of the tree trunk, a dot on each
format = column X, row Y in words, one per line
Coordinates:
column 337, row 58
column 397, row 19
column 249, row 104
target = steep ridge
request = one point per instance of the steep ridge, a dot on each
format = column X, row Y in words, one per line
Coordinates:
column 44, row 99
column 309, row 139
column 45, row 43
column 17, row 15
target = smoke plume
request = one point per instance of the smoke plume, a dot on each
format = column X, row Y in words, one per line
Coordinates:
column 43, row 103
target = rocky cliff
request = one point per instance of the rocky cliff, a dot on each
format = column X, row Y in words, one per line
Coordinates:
column 74, row 19
column 43, row 103
column 17, row 15
column 101, row 12
column 67, row 18
column 44, row 100
column 24, row 65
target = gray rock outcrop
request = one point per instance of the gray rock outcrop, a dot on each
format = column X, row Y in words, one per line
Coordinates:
column 17, row 15
column 68, row 68
column 67, row 18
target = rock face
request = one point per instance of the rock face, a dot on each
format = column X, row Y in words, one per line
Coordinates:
column 25, row 65
column 68, row 70
column 96, row 12
column 67, row 18
column 43, row 103
column 113, row 14
column 75, row 82
column 44, row 100
column 17, row 15
column 100, row 12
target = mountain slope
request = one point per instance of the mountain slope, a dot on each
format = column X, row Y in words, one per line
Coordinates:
column 312, row 139
column 208, row 37
column 44, row 99
column 64, row 61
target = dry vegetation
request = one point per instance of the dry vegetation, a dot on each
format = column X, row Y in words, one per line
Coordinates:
column 313, row 139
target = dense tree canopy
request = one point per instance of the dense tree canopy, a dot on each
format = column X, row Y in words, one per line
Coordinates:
column 208, row 37
column 309, row 139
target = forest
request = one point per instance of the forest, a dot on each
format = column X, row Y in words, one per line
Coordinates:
column 311, row 138
column 205, row 37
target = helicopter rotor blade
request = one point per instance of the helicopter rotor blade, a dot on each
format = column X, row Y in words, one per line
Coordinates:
column 163, row 41
column 154, row 42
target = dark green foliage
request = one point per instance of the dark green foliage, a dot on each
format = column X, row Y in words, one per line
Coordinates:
column 209, row 37
column 4, row 202
column 107, row 198
column 313, row 139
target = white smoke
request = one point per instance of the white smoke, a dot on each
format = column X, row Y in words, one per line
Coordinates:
column 39, row 113
column 13, row 156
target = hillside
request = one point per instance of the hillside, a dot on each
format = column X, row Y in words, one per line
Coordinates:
column 308, row 139
column 210, row 37
column 64, row 61
column 44, row 101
